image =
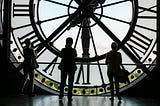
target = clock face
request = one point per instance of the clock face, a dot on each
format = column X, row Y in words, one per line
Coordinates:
column 94, row 25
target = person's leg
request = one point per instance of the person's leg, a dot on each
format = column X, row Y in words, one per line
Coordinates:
column 70, row 83
column 63, row 83
column 31, row 84
column 117, row 87
column 110, row 77
column 23, row 83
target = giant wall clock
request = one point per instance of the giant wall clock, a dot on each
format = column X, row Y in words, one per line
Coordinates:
column 94, row 25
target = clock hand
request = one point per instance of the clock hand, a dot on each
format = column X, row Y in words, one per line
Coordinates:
column 58, row 30
column 110, row 4
column 85, row 38
column 59, row 3
column 87, row 2
column 114, row 38
column 78, row 2
column 63, row 25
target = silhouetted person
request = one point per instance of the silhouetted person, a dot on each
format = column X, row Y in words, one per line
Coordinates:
column 29, row 64
column 67, row 67
column 114, row 60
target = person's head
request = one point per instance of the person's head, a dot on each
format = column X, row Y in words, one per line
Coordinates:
column 114, row 46
column 69, row 41
column 27, row 42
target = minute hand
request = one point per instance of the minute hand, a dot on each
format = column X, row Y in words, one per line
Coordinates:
column 114, row 38
column 58, row 30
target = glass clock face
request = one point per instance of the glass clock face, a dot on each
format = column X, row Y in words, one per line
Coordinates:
column 94, row 25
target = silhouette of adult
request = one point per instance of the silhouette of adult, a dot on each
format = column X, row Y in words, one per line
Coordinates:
column 114, row 60
column 67, row 67
column 29, row 64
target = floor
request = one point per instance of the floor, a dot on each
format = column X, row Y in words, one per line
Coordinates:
column 52, row 100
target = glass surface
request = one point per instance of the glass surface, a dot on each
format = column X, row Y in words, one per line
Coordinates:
column 132, row 23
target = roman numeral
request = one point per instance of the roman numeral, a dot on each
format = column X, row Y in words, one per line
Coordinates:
column 147, row 14
column 30, row 35
column 147, row 17
column 139, row 44
column 52, row 63
column 84, row 72
column 81, row 72
column 20, row 9
column 142, row 9
column 23, row 26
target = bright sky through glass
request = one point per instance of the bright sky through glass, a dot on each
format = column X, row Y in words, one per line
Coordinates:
column 121, row 11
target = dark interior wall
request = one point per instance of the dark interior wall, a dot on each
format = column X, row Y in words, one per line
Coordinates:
column 148, row 87
column 12, row 82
